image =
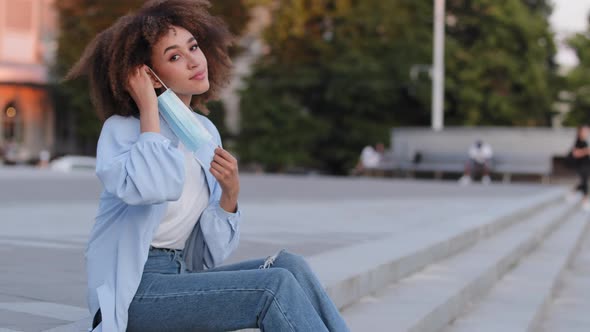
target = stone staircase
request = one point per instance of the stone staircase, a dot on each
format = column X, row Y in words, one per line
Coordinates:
column 500, row 275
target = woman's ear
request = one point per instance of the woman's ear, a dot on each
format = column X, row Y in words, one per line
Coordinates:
column 157, row 85
column 155, row 82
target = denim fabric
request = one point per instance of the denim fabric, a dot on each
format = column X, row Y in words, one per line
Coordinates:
column 286, row 296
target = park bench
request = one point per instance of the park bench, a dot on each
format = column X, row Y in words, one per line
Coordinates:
column 504, row 164
column 523, row 164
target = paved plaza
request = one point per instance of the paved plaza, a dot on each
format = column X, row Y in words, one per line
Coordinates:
column 46, row 217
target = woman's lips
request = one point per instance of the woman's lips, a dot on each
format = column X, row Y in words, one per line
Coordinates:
column 200, row 76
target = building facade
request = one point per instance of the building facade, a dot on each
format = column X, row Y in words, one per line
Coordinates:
column 28, row 39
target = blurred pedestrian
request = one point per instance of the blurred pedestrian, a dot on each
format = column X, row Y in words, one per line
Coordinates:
column 581, row 156
column 370, row 158
column 480, row 161
column 44, row 157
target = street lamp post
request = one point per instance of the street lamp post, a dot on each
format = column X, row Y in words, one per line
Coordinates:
column 438, row 72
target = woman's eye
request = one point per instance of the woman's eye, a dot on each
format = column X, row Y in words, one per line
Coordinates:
column 194, row 47
column 175, row 57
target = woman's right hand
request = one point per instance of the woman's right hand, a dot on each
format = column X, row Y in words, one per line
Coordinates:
column 141, row 89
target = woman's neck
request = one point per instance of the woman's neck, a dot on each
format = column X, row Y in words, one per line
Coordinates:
column 186, row 99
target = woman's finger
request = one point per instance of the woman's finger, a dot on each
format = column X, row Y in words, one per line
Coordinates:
column 220, row 169
column 215, row 173
column 223, row 162
column 224, row 154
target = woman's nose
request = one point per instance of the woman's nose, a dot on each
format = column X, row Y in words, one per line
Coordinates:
column 193, row 62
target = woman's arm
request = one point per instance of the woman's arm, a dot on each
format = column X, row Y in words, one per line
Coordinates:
column 144, row 169
column 141, row 88
column 581, row 152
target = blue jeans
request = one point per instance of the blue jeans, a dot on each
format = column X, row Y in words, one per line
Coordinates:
column 286, row 296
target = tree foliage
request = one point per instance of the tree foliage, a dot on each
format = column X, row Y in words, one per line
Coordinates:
column 500, row 68
column 341, row 73
column 577, row 81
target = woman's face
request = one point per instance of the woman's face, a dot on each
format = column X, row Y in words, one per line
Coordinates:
column 181, row 65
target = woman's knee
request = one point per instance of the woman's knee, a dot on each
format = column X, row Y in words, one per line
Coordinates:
column 280, row 279
column 292, row 262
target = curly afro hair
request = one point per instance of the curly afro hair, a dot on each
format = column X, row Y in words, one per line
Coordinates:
column 114, row 53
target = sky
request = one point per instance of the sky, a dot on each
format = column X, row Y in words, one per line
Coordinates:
column 569, row 16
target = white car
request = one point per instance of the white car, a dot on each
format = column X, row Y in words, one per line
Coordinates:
column 73, row 163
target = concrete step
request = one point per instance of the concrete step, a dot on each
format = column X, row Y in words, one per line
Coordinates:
column 569, row 309
column 351, row 273
column 430, row 299
column 517, row 302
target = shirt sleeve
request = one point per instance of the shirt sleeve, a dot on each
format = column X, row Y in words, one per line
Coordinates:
column 221, row 230
column 138, row 170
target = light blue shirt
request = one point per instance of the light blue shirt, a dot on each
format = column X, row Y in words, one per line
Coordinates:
column 140, row 173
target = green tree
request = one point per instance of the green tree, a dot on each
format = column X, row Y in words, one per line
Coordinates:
column 500, row 69
column 346, row 65
column 337, row 77
column 234, row 13
column 577, row 81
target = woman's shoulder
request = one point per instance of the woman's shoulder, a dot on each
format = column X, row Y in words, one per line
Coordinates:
column 121, row 124
column 119, row 129
column 119, row 120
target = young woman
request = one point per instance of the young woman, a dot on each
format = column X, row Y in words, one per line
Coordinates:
column 581, row 156
column 169, row 216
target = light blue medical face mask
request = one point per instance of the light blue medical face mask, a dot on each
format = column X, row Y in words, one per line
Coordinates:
column 180, row 119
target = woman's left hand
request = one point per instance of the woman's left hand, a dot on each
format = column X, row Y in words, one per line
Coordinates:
column 224, row 168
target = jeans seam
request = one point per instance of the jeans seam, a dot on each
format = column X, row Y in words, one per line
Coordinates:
column 275, row 300
column 167, row 295
column 266, row 290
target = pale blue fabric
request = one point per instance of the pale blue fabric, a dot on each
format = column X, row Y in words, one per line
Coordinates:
column 179, row 118
column 140, row 173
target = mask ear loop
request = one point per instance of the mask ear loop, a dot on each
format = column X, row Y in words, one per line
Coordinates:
column 156, row 76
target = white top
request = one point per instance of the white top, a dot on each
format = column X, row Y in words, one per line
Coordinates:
column 182, row 215
column 481, row 154
column 370, row 158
